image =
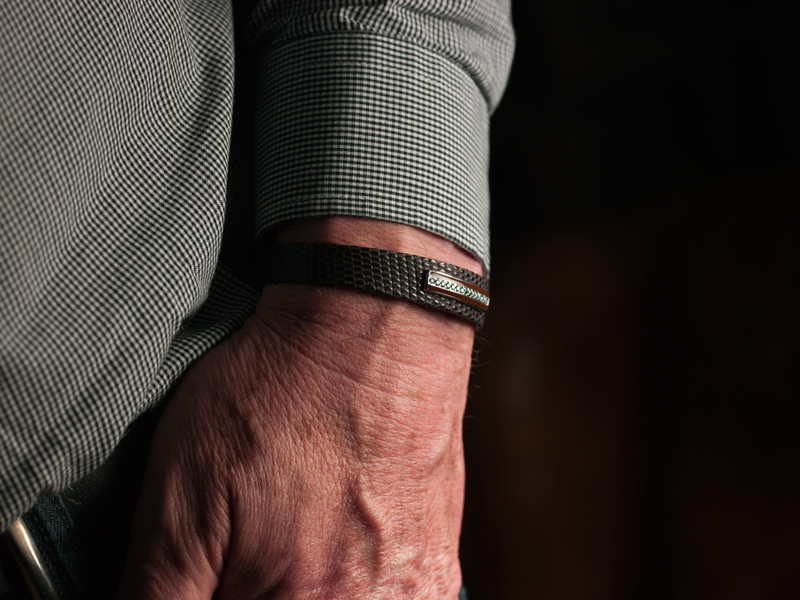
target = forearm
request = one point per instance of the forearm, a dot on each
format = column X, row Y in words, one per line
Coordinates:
column 385, row 235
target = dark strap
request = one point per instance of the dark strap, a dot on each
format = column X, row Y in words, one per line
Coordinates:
column 422, row 280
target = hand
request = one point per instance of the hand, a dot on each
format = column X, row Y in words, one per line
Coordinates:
column 314, row 454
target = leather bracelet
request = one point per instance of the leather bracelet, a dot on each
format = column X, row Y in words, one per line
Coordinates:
column 422, row 280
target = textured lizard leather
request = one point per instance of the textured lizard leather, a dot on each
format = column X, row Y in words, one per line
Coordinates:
column 381, row 271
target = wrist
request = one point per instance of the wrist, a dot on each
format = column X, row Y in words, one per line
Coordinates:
column 382, row 258
column 363, row 327
column 411, row 355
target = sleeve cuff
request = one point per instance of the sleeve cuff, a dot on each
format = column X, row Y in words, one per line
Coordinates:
column 362, row 125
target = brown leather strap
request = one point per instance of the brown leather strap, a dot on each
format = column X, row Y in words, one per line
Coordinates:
column 422, row 280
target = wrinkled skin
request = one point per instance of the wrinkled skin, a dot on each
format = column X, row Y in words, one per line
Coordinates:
column 314, row 454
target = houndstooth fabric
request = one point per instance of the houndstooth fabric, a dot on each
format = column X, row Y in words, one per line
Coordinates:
column 140, row 163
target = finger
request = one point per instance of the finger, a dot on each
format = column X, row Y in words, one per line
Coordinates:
column 162, row 579
column 166, row 557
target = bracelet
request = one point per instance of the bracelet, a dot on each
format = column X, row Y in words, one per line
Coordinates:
column 422, row 280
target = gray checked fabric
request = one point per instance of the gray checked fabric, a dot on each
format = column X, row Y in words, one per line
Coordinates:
column 147, row 148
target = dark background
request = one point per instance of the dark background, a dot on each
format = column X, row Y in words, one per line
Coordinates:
column 633, row 429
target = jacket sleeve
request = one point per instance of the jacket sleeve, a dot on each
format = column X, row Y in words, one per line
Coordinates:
column 380, row 110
